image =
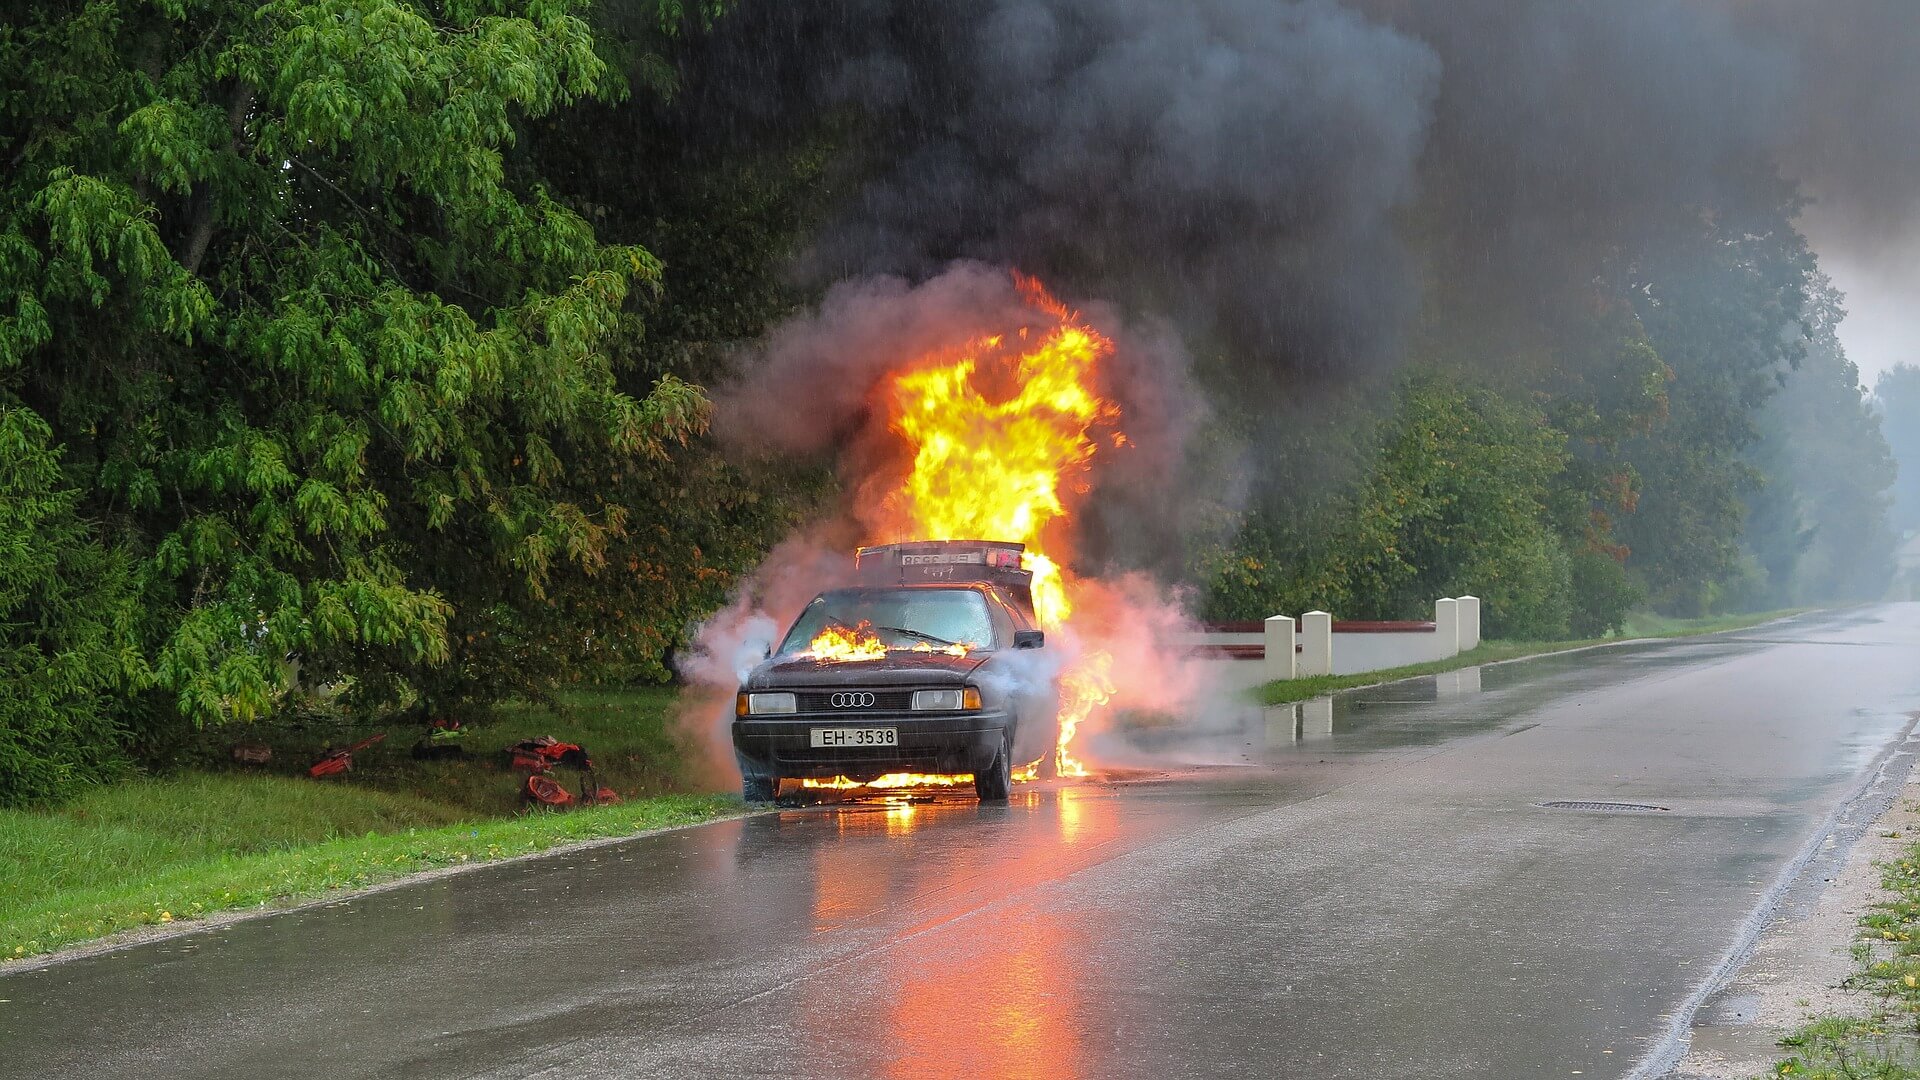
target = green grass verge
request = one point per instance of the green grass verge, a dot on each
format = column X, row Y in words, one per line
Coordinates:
column 1282, row 691
column 35, row 918
column 220, row 837
column 628, row 732
column 1885, row 1044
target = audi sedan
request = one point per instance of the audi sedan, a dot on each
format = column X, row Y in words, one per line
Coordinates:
column 931, row 677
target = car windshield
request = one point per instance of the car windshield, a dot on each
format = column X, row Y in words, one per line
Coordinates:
column 900, row 618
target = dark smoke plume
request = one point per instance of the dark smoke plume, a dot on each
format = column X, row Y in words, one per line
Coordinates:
column 1259, row 171
column 1853, row 114
column 1233, row 166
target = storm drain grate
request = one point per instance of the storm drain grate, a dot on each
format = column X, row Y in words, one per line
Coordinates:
column 1608, row 807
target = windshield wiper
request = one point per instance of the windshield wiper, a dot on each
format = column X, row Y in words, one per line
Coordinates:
column 921, row 634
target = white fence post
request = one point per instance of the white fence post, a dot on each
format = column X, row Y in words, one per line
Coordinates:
column 1279, row 642
column 1469, row 623
column 1446, row 625
column 1316, row 643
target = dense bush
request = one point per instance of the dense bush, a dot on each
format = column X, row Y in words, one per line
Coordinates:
column 66, row 621
column 1526, row 590
column 1603, row 594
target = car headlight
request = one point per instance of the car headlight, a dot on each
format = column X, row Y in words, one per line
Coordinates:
column 761, row 704
column 961, row 699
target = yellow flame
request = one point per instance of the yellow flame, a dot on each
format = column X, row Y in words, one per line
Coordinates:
column 958, row 648
column 846, row 644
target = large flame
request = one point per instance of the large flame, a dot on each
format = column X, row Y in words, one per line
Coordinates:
column 892, row 780
column 1003, row 467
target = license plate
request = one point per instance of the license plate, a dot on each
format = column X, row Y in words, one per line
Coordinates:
column 856, row 736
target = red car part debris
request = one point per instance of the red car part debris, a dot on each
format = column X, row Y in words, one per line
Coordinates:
column 545, row 791
column 543, row 753
column 335, row 762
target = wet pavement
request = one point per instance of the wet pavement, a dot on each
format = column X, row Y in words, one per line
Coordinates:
column 1361, row 887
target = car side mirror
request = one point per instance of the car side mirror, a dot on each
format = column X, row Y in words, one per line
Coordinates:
column 1029, row 639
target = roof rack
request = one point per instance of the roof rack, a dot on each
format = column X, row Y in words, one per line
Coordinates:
column 928, row 562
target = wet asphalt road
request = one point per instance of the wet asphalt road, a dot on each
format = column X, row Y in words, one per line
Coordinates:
column 1365, row 890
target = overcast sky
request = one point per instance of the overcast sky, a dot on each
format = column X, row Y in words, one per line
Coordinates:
column 1881, row 282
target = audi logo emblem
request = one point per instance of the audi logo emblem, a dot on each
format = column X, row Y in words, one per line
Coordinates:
column 852, row 701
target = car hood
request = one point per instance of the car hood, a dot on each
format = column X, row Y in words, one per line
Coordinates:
column 900, row 668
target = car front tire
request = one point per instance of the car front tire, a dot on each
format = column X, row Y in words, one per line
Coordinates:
column 995, row 783
column 756, row 786
column 759, row 789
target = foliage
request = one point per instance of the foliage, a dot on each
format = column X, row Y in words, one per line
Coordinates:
column 66, row 625
column 1720, row 297
column 326, row 357
column 1602, row 595
column 1456, row 501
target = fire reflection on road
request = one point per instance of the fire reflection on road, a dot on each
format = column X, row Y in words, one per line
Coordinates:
column 1010, row 1010
column 1013, row 1010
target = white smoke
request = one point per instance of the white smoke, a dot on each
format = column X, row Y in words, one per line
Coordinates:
column 727, row 646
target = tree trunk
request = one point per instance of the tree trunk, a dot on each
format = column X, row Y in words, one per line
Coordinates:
column 200, row 236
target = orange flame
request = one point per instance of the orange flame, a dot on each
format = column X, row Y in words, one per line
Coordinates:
column 1003, row 436
column 846, row 644
column 1082, row 690
column 958, row 648
column 893, row 780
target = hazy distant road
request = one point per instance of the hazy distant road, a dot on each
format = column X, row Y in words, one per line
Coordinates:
column 1381, row 899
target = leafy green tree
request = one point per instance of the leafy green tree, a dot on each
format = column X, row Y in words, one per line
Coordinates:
column 1602, row 594
column 325, row 355
column 1720, row 299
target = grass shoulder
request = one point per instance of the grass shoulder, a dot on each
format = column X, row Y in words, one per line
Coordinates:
column 154, row 851
column 1638, row 627
column 1884, row 1044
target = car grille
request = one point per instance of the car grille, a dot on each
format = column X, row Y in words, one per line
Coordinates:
column 854, row 700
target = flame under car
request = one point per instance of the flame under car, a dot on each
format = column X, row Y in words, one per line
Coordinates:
column 928, row 666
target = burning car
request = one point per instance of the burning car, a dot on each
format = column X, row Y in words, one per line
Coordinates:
column 926, row 665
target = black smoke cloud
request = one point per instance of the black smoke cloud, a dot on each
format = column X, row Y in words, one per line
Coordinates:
column 1283, row 180
column 1232, row 166
column 1852, row 119
column 1567, row 135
